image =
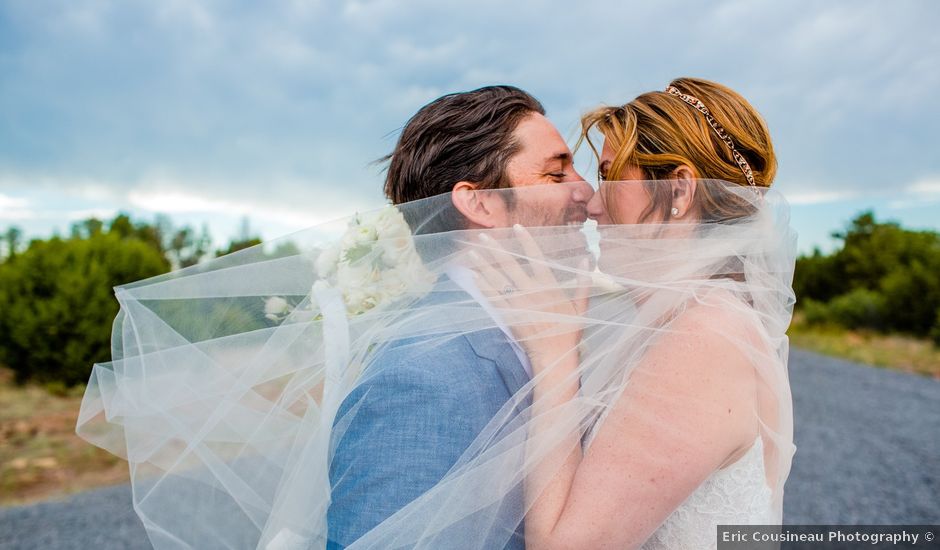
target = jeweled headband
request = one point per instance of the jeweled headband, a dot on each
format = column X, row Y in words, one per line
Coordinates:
column 738, row 157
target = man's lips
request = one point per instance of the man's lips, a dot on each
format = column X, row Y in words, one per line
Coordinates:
column 576, row 215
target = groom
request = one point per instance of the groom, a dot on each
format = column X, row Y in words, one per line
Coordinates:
column 411, row 417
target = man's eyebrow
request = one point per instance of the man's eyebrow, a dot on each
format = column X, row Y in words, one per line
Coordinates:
column 563, row 156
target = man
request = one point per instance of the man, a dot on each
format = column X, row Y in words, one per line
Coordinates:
column 413, row 415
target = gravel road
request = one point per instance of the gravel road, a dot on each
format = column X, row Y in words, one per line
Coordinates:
column 868, row 452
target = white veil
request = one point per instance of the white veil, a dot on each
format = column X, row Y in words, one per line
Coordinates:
column 227, row 376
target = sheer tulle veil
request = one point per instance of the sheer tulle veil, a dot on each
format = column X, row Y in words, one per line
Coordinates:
column 227, row 376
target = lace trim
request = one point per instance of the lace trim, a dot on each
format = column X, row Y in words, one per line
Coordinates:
column 737, row 494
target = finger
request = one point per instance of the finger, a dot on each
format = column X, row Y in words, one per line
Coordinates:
column 489, row 292
column 506, row 261
column 582, row 294
column 534, row 252
column 491, row 282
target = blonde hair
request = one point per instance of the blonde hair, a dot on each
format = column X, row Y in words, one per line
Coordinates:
column 658, row 132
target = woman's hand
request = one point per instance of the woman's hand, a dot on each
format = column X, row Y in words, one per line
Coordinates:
column 543, row 316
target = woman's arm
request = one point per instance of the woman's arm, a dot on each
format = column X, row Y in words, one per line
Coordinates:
column 688, row 406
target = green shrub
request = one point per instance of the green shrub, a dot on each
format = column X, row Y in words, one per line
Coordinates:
column 912, row 296
column 57, row 388
column 817, row 277
column 884, row 277
column 815, row 313
column 57, row 302
column 859, row 308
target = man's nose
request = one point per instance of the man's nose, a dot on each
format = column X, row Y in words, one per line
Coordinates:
column 582, row 191
column 596, row 209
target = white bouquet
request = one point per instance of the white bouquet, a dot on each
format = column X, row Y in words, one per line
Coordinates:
column 374, row 262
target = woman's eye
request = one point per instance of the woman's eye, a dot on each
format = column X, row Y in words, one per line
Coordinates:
column 601, row 175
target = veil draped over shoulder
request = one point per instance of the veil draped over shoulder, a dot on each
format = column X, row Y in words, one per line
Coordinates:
column 230, row 383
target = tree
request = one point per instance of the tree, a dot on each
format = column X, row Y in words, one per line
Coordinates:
column 12, row 240
column 883, row 277
column 57, row 302
column 244, row 240
column 236, row 245
column 87, row 228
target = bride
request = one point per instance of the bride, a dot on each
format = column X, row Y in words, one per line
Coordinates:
column 658, row 404
column 701, row 435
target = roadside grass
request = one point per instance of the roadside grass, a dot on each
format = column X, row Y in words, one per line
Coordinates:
column 891, row 351
column 40, row 456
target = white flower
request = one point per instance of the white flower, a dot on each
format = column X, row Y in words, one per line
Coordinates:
column 360, row 274
column 389, row 224
column 275, row 306
column 394, row 282
column 317, row 285
column 359, row 300
column 373, row 262
column 357, row 235
column 418, row 273
column 327, row 260
column 395, row 249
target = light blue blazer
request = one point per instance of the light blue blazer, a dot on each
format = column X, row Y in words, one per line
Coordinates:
column 415, row 413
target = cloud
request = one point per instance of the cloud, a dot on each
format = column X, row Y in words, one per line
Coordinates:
column 12, row 202
column 921, row 193
column 284, row 103
column 179, row 202
column 15, row 209
column 816, row 197
column 175, row 202
column 925, row 187
column 19, row 209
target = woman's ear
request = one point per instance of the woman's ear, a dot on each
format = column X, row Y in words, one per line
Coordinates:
column 481, row 207
column 683, row 191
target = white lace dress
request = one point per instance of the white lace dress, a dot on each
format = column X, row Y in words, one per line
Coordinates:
column 737, row 494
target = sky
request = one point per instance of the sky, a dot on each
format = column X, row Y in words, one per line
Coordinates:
column 213, row 111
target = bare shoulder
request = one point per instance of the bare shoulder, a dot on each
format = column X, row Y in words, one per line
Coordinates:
column 708, row 342
column 718, row 315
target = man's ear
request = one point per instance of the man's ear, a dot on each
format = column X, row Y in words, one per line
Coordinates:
column 482, row 208
column 683, row 190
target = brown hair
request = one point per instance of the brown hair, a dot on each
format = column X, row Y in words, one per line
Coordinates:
column 658, row 132
column 466, row 136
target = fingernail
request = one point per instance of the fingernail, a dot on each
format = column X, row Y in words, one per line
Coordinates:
column 484, row 237
column 517, row 228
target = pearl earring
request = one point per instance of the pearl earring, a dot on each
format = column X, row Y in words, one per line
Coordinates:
column 675, row 211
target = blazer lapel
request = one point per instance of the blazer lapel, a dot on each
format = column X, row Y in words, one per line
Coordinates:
column 493, row 344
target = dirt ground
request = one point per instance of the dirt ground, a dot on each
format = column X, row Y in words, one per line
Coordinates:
column 41, row 458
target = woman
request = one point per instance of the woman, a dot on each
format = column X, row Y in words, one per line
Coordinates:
column 702, row 433
column 656, row 402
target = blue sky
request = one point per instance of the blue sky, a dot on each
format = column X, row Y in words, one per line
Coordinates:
column 213, row 111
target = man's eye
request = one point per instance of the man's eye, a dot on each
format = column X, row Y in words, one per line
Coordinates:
column 559, row 175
